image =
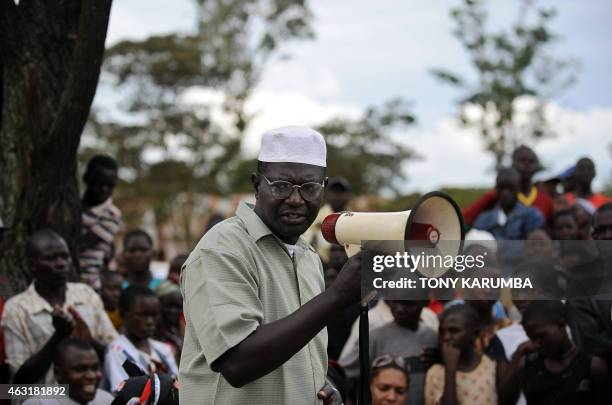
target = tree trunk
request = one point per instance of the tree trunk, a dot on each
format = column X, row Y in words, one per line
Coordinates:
column 50, row 57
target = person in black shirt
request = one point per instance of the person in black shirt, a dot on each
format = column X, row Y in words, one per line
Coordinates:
column 552, row 370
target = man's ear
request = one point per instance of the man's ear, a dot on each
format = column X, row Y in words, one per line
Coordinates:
column 255, row 179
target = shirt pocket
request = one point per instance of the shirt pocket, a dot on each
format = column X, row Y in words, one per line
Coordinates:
column 39, row 330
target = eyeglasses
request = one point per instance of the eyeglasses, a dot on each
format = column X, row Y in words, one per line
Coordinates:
column 281, row 189
column 388, row 360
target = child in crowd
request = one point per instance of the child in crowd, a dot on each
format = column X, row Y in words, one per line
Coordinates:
column 466, row 376
column 169, row 325
column 110, row 292
column 389, row 381
column 552, row 370
column 539, row 245
column 139, row 309
column 564, row 225
column 174, row 273
column 567, row 231
column 100, row 221
column 138, row 252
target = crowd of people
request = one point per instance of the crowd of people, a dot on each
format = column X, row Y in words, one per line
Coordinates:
column 106, row 335
column 549, row 346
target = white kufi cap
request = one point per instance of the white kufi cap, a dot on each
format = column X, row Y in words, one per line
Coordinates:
column 293, row 144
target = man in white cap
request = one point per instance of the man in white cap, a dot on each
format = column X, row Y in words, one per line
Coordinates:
column 255, row 302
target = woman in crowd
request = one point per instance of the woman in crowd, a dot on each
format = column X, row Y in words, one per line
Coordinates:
column 466, row 376
column 389, row 381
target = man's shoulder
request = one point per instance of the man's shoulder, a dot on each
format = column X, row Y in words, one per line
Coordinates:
column 392, row 329
column 81, row 291
column 18, row 303
column 384, row 330
column 225, row 235
column 427, row 331
column 15, row 301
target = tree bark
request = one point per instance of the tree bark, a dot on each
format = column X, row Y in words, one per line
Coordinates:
column 50, row 58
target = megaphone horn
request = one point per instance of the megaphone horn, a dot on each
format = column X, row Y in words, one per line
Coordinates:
column 436, row 217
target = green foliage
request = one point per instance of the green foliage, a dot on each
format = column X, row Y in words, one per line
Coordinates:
column 164, row 142
column 509, row 64
column 365, row 151
column 167, row 145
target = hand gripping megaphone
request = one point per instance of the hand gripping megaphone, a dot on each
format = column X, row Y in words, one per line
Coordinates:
column 435, row 218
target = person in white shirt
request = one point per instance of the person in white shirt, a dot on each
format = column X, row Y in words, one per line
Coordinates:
column 139, row 308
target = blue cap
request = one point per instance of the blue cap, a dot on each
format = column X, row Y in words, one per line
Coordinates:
column 567, row 172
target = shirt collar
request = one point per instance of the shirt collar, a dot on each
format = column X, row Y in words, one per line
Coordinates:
column 39, row 304
column 258, row 229
column 255, row 226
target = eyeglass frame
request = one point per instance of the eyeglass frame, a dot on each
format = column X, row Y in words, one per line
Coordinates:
column 294, row 186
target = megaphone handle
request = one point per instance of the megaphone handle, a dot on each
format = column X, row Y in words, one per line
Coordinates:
column 364, row 356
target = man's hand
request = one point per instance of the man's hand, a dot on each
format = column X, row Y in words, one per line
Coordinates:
column 523, row 349
column 61, row 322
column 451, row 356
column 348, row 283
column 80, row 330
column 329, row 395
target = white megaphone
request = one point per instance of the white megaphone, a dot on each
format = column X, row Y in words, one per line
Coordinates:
column 435, row 218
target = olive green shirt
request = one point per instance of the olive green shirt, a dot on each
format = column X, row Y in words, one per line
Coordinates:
column 238, row 277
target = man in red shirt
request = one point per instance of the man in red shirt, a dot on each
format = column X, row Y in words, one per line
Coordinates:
column 526, row 162
column 584, row 175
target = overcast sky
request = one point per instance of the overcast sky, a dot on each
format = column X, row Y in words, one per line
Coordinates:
column 367, row 51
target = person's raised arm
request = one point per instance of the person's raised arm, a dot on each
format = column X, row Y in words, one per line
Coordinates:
column 507, row 383
column 35, row 368
column 517, row 363
column 450, row 356
column 271, row 345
